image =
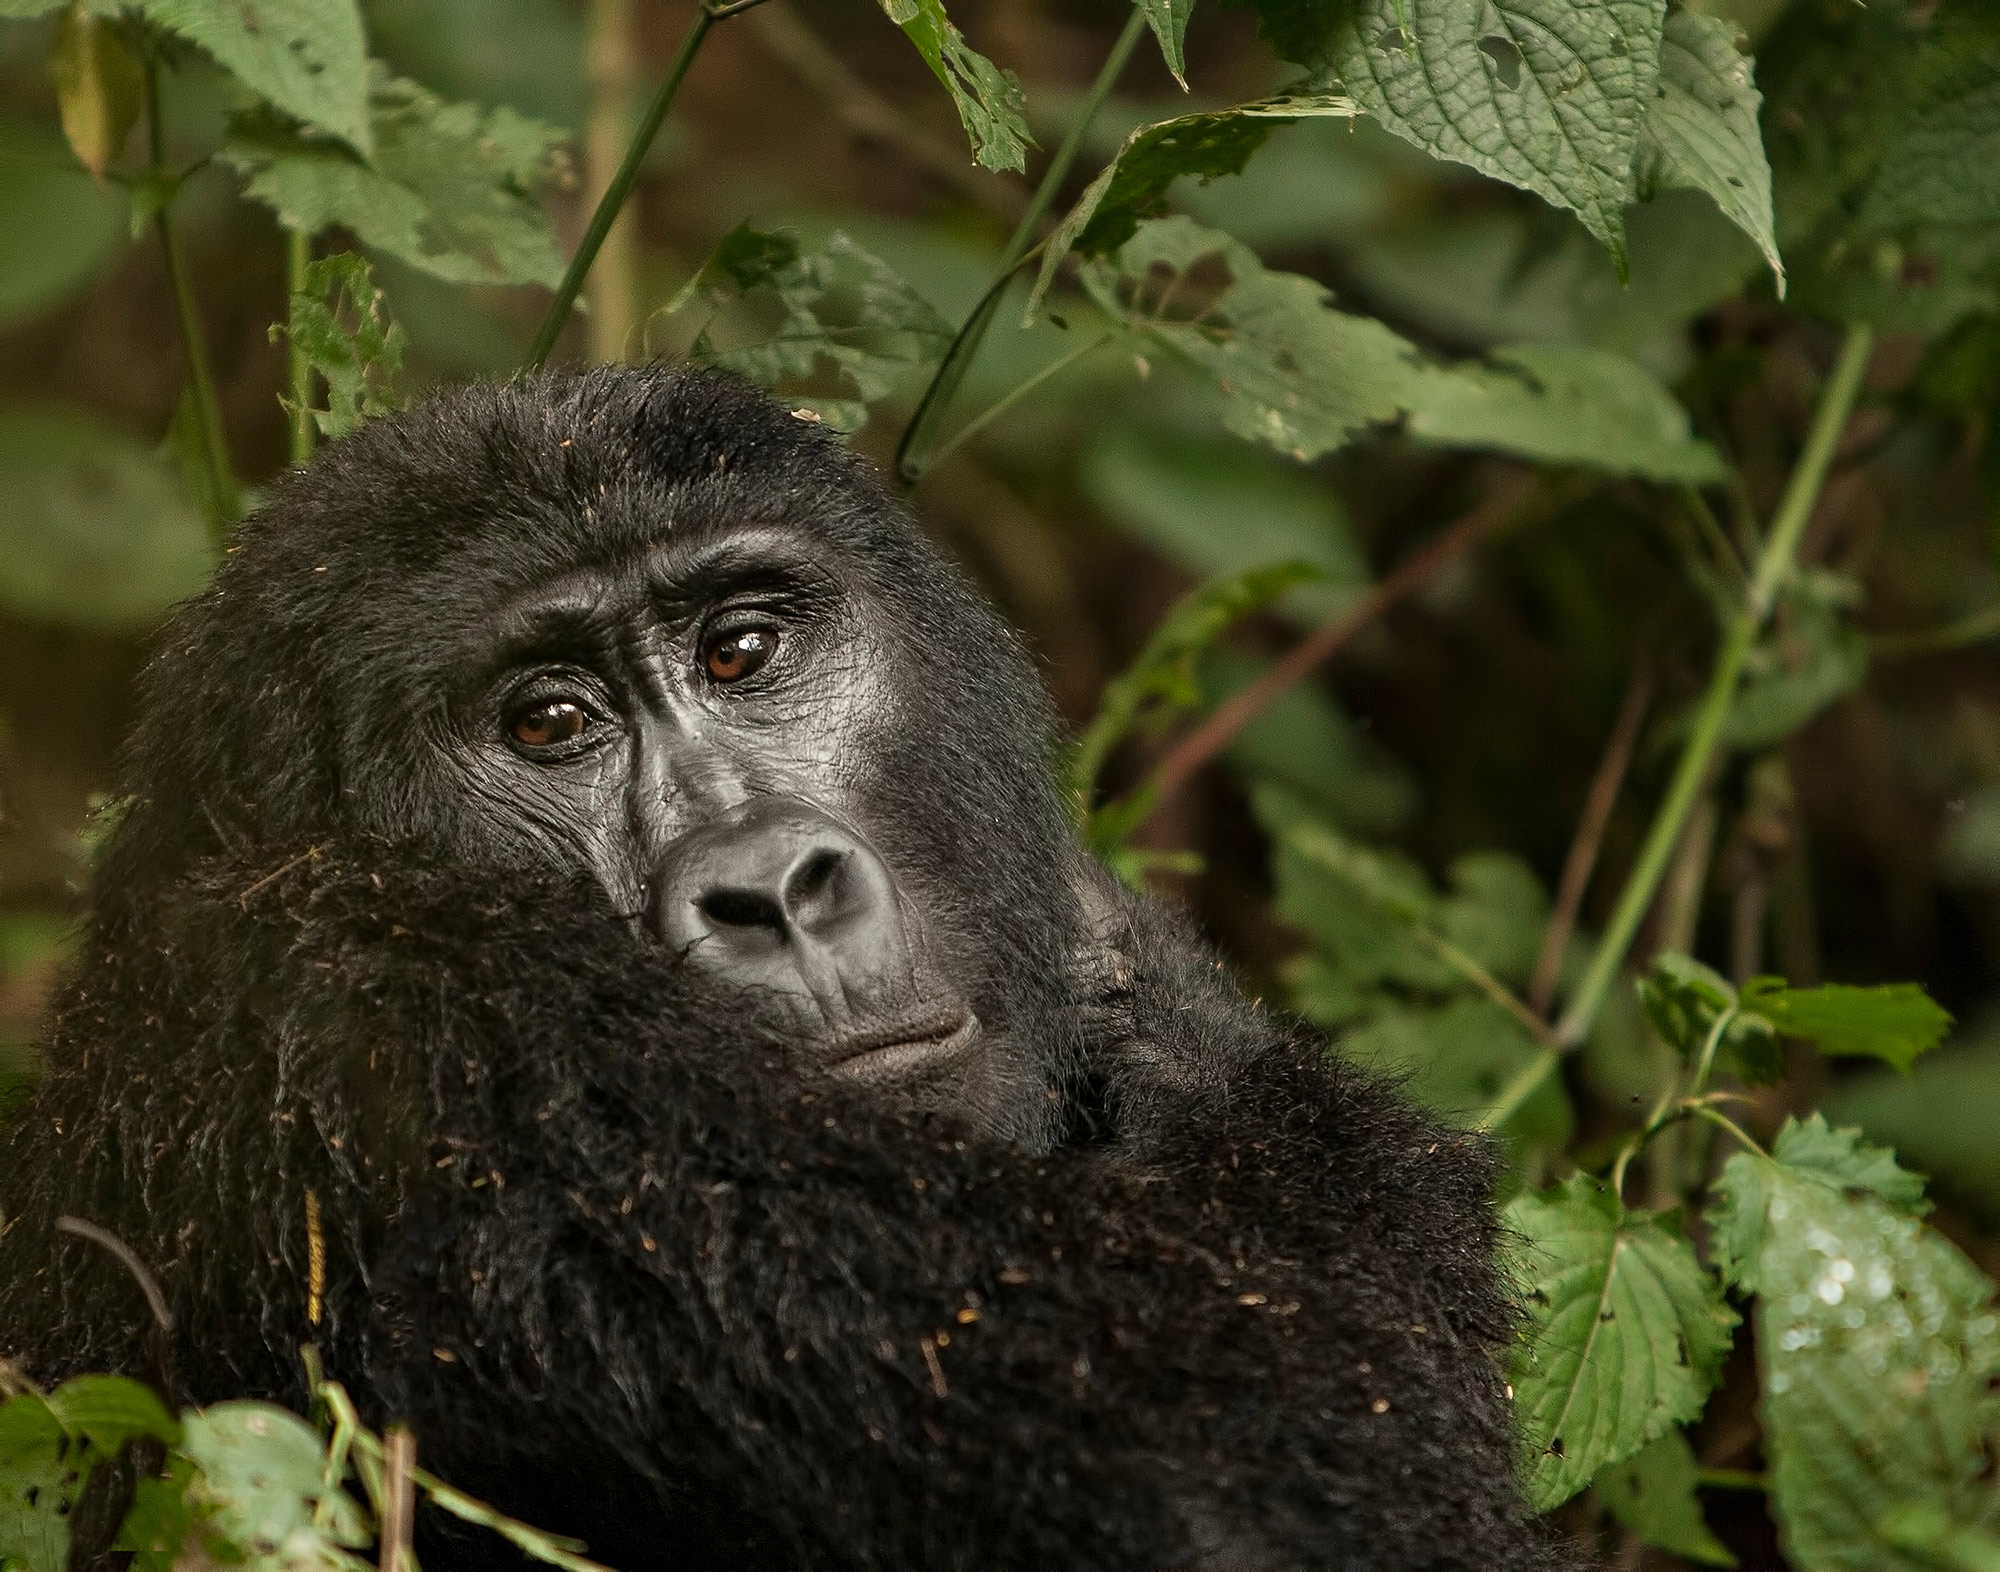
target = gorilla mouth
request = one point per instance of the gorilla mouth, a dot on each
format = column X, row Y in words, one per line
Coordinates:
column 903, row 1052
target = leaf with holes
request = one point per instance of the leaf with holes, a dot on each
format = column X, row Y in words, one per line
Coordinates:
column 1878, row 1345
column 1626, row 1333
column 39, row 1480
column 1134, row 184
column 307, row 58
column 347, row 335
column 1702, row 131
column 1548, row 95
column 988, row 99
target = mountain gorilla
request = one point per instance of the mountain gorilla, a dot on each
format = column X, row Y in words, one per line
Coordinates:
column 594, row 947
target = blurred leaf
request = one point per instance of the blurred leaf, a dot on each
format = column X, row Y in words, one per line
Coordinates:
column 524, row 53
column 1168, row 20
column 988, row 99
column 1496, row 912
column 1626, row 1333
column 21, row 10
column 1940, row 1118
column 61, row 227
column 1925, row 1529
column 1684, row 1001
column 1565, row 404
column 1702, row 132
column 97, row 533
column 111, row 1410
column 161, row 1520
column 1879, row 1349
column 762, row 308
column 1314, row 183
column 261, row 1477
column 306, row 58
column 98, row 87
column 38, row 1485
column 449, row 189
column 1652, row 1493
column 1456, row 1058
column 348, row 337
column 1944, row 166
column 1548, row 95
column 1217, row 507
column 1808, row 660
column 1134, row 184
column 1894, row 1023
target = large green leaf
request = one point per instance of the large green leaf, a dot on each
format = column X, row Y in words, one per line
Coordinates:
column 1878, row 1345
column 97, row 532
column 1703, row 134
column 60, row 226
column 1626, row 1332
column 988, row 99
column 306, row 58
column 1545, row 94
column 1894, row 1023
column 38, row 1484
column 262, row 1477
column 1944, row 166
column 449, row 188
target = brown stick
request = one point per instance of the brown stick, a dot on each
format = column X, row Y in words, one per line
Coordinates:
column 1589, row 838
column 1241, row 708
column 399, row 1501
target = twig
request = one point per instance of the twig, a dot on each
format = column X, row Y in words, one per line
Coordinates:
column 1019, row 391
column 1589, row 839
column 1975, row 629
column 277, row 873
column 866, row 113
column 126, row 1257
column 912, row 453
column 399, row 1502
column 1228, row 718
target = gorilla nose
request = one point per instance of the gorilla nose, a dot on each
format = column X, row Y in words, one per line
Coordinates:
column 775, row 895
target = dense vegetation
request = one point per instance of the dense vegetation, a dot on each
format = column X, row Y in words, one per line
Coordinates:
column 1502, row 486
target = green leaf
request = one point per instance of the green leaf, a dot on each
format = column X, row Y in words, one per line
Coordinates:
column 988, row 99
column 1652, row 1492
column 38, row 1484
column 22, row 10
column 1926, row 1530
column 1878, row 1346
column 1567, row 404
column 1134, row 184
column 830, row 331
column 1702, row 132
column 97, row 532
column 1548, row 95
column 342, row 325
column 449, row 189
column 111, row 1410
column 1808, row 660
column 262, row 1479
column 1456, row 1058
column 61, row 226
column 1290, row 372
column 1626, row 1333
column 1944, row 166
column 1940, row 1119
column 1496, row 912
column 1685, row 1001
column 306, row 58
column 1168, row 20
column 1842, row 1158
column 98, row 87
column 1894, row 1023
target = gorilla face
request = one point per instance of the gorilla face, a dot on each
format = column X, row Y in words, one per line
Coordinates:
column 655, row 633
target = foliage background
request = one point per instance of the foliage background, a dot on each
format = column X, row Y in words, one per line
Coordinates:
column 1854, row 833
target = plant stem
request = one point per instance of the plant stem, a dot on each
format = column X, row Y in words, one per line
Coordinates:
column 1975, row 629
column 298, row 369
column 613, row 201
column 224, row 501
column 1000, row 406
column 1773, row 563
column 913, row 455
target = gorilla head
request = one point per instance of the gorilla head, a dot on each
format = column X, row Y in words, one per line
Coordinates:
column 653, row 629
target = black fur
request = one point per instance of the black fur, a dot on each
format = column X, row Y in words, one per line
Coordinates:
column 1196, row 1295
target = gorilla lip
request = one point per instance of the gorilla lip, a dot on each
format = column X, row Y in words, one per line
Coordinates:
column 898, row 1051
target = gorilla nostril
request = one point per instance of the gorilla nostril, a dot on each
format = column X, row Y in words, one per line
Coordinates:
column 812, row 882
column 741, row 909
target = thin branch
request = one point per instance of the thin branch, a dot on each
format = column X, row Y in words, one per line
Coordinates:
column 1021, row 390
column 1589, row 838
column 912, row 452
column 298, row 369
column 397, row 1552
column 867, row 114
column 1975, row 629
column 1215, row 733
column 126, row 1257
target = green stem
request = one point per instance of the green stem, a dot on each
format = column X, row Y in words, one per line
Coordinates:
column 1722, row 1121
column 1975, row 629
column 613, row 200
column 1773, row 563
column 1000, row 406
column 298, row 369
column 913, row 455
column 1731, row 1479
column 224, row 501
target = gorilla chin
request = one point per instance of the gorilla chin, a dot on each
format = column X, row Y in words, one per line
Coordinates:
column 596, row 948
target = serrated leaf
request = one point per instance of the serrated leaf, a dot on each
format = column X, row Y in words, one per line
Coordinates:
column 1134, row 184
column 307, row 58
column 830, row 331
column 1567, row 404
column 988, row 99
column 38, row 1484
column 341, row 324
column 1652, row 1493
column 449, row 188
column 1894, row 1023
column 1843, row 1159
column 1548, row 95
column 1702, row 133
column 1168, row 20
column 98, row 87
column 1879, row 1349
column 1626, row 1332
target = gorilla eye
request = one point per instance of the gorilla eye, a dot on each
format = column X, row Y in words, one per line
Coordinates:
column 730, row 657
column 545, row 725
